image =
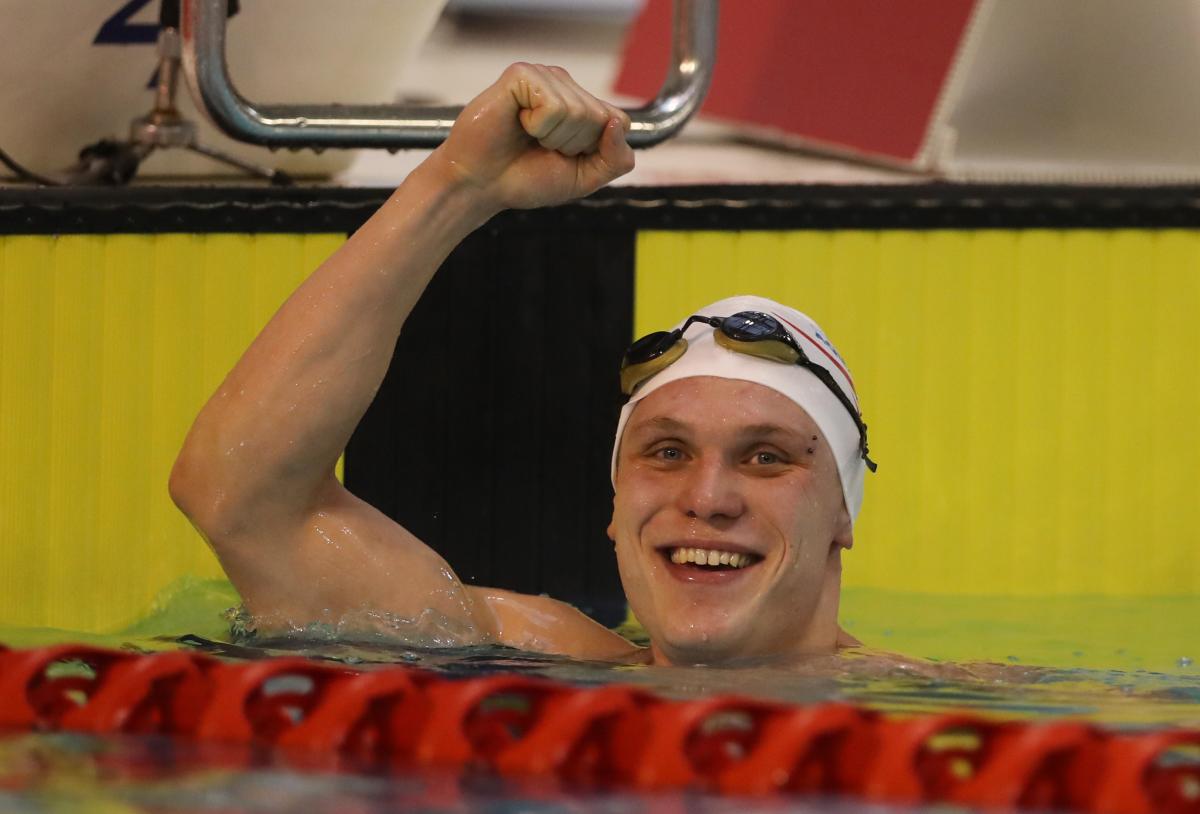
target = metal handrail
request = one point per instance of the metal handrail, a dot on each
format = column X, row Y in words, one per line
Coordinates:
column 202, row 24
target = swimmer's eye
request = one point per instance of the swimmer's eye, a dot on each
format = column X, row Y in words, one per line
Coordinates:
column 666, row 452
column 766, row 457
column 669, row 454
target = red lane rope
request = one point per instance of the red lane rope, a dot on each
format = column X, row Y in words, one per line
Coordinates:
column 613, row 736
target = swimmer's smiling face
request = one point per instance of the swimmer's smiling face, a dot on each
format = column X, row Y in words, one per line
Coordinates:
column 719, row 465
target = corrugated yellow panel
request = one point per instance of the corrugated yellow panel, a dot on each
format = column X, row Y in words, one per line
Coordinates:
column 109, row 345
column 1032, row 395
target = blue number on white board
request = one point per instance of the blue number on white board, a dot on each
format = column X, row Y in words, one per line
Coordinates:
column 117, row 30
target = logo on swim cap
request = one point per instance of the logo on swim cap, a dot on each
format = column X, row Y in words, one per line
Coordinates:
column 822, row 343
column 825, row 341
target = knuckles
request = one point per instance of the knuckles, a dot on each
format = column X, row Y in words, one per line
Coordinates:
column 517, row 70
column 566, row 113
column 585, row 107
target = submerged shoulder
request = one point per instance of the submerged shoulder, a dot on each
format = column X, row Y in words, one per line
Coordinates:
column 551, row 626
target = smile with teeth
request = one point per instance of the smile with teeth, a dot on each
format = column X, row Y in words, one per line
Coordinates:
column 711, row 557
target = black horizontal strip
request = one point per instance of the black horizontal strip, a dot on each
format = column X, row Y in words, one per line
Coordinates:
column 26, row 210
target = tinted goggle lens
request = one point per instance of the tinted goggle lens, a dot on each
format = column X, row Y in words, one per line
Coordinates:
column 750, row 326
column 650, row 346
column 752, row 332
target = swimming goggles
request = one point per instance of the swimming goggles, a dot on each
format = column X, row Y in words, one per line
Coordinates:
column 750, row 332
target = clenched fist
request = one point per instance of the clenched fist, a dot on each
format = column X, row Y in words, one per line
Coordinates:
column 536, row 138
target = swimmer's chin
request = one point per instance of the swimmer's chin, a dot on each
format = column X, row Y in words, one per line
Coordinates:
column 705, row 639
column 731, row 650
column 694, row 652
column 820, row 661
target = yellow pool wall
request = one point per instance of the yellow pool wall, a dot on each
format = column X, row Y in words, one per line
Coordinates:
column 1031, row 394
column 109, row 346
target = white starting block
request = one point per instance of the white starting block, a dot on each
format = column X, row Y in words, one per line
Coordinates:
column 81, row 70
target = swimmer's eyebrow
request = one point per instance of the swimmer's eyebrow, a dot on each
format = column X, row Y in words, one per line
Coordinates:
column 768, row 431
column 749, row 432
column 663, row 423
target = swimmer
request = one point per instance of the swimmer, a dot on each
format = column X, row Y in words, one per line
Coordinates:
column 738, row 464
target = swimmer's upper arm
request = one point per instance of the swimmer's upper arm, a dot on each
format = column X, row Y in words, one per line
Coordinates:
column 547, row 625
column 338, row 561
column 334, row 560
column 343, row 563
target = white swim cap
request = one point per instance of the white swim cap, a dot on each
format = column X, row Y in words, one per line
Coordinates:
column 704, row 357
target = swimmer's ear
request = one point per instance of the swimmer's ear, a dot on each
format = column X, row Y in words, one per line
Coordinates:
column 844, row 534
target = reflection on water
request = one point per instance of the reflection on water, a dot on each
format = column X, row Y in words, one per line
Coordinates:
column 54, row 773
column 1125, row 699
column 979, row 656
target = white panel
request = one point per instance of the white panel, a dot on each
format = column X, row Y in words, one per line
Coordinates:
column 73, row 92
column 1095, row 90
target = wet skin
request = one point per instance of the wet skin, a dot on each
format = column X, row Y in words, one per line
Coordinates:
column 733, row 466
column 256, row 473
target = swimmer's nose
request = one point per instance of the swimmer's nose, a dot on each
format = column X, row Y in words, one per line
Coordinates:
column 711, row 491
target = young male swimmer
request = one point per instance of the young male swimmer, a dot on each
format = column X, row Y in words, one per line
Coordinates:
column 737, row 471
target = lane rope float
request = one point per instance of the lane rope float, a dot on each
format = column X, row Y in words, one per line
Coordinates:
column 611, row 737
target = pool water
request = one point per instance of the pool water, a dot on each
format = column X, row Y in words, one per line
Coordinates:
column 1121, row 663
column 56, row 773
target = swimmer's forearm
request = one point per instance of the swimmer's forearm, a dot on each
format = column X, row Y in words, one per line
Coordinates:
column 278, row 423
column 256, row 472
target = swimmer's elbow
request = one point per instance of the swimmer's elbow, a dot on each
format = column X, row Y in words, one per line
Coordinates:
column 228, row 505
column 200, row 496
column 187, row 487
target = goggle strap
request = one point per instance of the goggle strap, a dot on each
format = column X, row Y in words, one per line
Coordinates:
column 633, row 374
column 827, row 379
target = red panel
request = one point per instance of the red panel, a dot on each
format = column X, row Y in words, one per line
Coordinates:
column 856, row 74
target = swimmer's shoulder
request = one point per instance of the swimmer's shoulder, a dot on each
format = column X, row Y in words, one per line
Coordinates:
column 845, row 640
column 549, row 625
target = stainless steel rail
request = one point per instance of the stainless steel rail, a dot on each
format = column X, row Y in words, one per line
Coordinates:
column 318, row 126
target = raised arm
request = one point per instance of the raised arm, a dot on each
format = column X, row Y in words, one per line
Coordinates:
column 255, row 474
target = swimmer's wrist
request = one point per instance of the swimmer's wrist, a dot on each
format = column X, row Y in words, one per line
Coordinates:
column 464, row 192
